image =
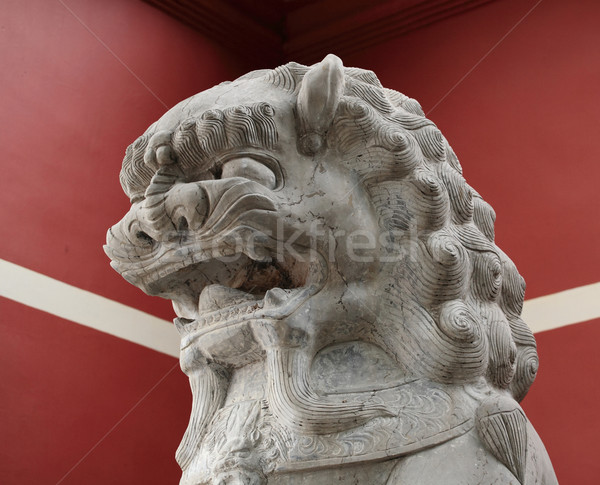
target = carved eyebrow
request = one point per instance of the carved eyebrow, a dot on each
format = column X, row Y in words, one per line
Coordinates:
column 198, row 140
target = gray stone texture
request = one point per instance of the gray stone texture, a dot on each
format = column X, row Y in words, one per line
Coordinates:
column 345, row 315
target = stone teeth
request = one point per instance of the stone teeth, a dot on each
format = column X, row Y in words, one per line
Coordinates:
column 183, row 324
column 216, row 297
column 207, row 301
column 185, row 307
column 276, row 297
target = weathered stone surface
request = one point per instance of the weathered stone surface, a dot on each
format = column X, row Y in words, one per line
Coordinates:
column 345, row 315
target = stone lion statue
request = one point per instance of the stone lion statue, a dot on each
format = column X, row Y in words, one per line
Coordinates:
column 345, row 315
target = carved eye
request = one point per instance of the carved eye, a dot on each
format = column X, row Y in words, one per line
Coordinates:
column 251, row 169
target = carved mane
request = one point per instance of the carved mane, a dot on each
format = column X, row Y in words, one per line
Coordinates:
column 462, row 296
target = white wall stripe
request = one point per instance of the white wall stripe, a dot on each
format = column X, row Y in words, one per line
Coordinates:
column 563, row 308
column 80, row 306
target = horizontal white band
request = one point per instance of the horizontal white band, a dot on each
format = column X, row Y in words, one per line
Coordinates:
column 80, row 306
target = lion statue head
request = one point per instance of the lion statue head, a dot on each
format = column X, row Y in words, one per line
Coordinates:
column 338, row 291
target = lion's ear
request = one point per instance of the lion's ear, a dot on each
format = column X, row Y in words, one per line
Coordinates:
column 318, row 98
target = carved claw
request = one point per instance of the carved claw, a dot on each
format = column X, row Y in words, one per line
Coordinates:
column 502, row 427
column 209, row 383
column 299, row 408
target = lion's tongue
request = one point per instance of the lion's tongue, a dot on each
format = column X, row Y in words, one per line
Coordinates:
column 215, row 297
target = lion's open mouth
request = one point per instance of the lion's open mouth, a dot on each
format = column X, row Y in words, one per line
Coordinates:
column 227, row 289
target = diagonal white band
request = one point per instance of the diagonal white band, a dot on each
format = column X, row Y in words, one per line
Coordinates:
column 563, row 308
column 80, row 306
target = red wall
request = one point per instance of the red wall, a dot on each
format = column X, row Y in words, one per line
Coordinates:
column 79, row 83
column 563, row 401
column 80, row 80
column 524, row 124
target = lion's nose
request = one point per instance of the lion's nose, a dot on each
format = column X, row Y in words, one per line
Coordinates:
column 169, row 213
column 162, row 217
column 170, row 206
column 187, row 205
